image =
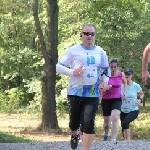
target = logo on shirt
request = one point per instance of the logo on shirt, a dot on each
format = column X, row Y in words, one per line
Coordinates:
column 90, row 60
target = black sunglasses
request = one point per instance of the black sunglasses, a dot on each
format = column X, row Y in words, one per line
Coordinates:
column 89, row 33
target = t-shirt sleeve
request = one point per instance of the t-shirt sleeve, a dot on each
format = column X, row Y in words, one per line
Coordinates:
column 63, row 65
column 138, row 87
column 104, row 60
column 66, row 58
column 104, row 65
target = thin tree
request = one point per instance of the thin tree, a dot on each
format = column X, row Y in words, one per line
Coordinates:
column 48, row 48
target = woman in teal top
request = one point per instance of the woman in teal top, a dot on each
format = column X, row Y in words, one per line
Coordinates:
column 129, row 108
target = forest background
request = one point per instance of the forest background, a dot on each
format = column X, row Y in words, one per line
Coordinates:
column 122, row 30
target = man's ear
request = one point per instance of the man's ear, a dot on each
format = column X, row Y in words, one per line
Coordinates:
column 80, row 35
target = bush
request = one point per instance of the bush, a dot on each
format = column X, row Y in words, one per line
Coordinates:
column 10, row 100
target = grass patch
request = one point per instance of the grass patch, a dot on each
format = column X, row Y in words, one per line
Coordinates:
column 7, row 138
column 24, row 128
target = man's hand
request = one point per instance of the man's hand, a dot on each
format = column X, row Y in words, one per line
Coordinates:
column 145, row 76
column 78, row 72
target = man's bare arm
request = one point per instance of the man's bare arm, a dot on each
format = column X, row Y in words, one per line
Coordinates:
column 145, row 58
column 145, row 61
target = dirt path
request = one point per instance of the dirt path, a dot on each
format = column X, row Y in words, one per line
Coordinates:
column 26, row 126
column 120, row 145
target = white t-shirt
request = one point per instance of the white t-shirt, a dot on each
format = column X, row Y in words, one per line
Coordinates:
column 92, row 60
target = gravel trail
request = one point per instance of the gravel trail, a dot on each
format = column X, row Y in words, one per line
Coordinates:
column 119, row 145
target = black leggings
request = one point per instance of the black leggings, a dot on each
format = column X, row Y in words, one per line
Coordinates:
column 86, row 106
column 126, row 118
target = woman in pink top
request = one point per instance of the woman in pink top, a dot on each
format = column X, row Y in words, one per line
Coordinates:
column 111, row 100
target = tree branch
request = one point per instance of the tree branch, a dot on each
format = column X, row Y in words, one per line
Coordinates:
column 40, row 33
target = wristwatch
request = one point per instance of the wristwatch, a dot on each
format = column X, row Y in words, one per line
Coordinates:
column 141, row 100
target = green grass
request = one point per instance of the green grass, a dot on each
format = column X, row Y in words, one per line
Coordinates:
column 8, row 138
column 22, row 128
column 140, row 127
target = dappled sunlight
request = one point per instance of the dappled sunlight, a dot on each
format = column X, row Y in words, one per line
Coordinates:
column 27, row 126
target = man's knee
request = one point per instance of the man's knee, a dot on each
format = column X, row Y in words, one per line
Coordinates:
column 89, row 127
column 74, row 126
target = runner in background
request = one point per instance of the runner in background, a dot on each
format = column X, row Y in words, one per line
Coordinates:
column 111, row 101
column 129, row 108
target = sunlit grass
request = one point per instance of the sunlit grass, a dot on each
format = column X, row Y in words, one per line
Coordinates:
column 9, row 138
column 24, row 127
column 140, row 127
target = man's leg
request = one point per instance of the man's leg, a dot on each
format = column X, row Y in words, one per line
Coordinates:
column 87, row 141
column 75, row 137
column 81, row 127
column 75, row 112
column 90, row 110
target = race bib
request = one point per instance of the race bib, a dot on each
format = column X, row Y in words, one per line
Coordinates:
column 89, row 76
column 127, row 103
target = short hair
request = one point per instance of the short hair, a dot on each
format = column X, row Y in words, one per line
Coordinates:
column 89, row 25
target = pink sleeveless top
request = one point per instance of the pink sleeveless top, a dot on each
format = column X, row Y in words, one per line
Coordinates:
column 115, row 91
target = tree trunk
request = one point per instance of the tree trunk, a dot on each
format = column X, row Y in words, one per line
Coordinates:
column 50, row 54
column 49, row 118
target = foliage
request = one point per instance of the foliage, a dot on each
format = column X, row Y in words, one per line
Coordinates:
column 122, row 27
column 34, row 105
column 21, row 60
column 62, row 103
column 3, row 103
column 25, row 122
column 10, row 100
column 122, row 30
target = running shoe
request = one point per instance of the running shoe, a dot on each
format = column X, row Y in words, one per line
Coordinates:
column 74, row 141
column 105, row 138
